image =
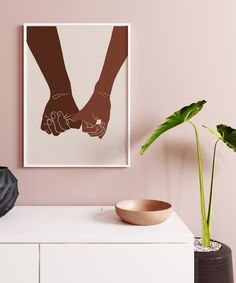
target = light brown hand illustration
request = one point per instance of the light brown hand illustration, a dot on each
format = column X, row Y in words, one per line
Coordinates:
column 95, row 115
column 45, row 46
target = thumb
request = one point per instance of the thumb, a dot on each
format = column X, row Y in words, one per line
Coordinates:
column 76, row 116
column 74, row 121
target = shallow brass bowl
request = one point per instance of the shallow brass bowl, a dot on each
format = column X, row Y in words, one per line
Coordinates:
column 143, row 211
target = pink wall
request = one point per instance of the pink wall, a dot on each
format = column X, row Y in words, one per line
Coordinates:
column 182, row 51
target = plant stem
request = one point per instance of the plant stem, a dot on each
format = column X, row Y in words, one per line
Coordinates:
column 212, row 186
column 205, row 228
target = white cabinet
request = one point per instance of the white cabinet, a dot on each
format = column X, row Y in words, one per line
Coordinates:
column 116, row 263
column 19, row 263
column 91, row 244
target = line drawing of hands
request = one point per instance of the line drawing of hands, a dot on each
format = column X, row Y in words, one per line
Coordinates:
column 95, row 115
column 55, row 120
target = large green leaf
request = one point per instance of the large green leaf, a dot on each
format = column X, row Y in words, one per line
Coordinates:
column 174, row 120
column 228, row 135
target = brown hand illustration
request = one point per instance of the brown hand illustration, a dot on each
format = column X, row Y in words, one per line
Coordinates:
column 57, row 114
column 95, row 115
column 44, row 44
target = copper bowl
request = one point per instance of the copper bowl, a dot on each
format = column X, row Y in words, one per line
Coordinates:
column 143, row 211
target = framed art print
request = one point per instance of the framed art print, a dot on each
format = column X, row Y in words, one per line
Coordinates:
column 76, row 95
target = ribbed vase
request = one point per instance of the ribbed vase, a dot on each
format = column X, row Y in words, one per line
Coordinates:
column 214, row 267
column 8, row 190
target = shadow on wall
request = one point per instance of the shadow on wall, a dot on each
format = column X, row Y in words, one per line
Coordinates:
column 181, row 166
column 169, row 163
column 19, row 50
column 142, row 130
column 173, row 164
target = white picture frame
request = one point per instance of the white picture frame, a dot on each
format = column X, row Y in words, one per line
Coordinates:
column 28, row 149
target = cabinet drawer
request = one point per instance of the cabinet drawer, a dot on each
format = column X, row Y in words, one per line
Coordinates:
column 116, row 263
column 19, row 263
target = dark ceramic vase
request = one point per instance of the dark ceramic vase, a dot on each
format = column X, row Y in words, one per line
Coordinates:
column 8, row 190
column 213, row 267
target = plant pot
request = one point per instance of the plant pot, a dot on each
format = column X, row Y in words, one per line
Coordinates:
column 8, row 190
column 213, row 266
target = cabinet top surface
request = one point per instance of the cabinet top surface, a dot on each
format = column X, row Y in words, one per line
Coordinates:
column 85, row 224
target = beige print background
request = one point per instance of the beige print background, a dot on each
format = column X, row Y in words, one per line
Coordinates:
column 84, row 49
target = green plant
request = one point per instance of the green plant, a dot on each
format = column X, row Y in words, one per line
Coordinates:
column 223, row 133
